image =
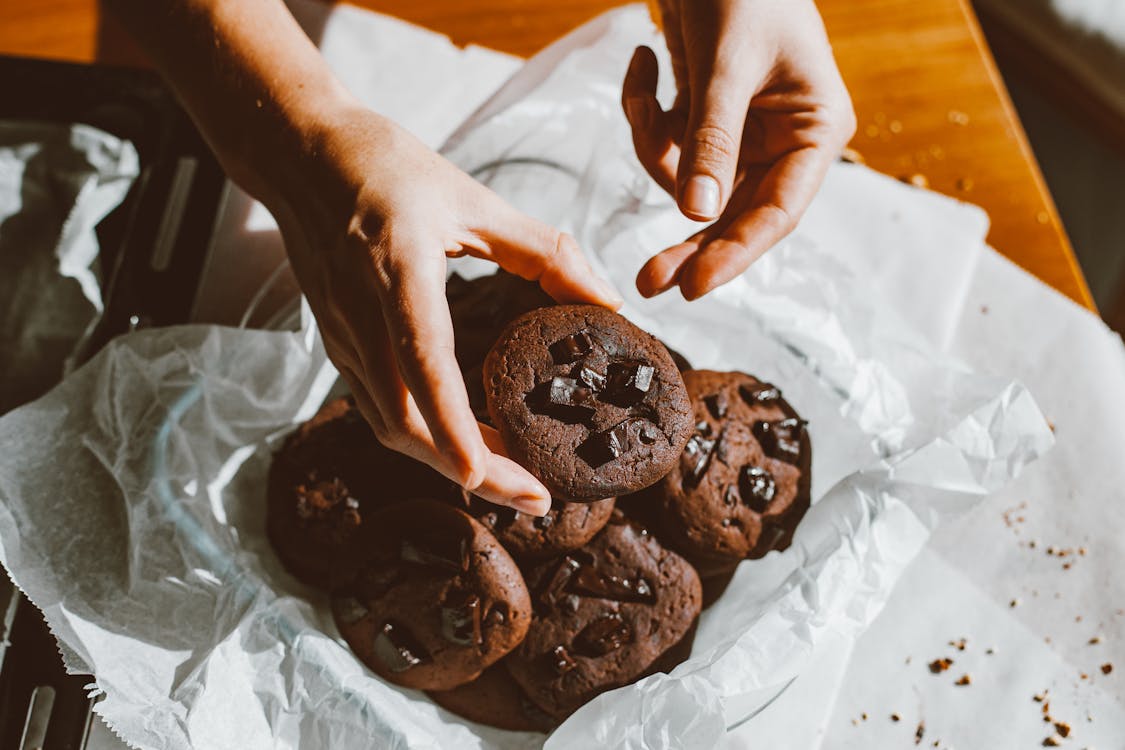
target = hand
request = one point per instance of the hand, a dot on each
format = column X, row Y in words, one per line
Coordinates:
column 369, row 215
column 760, row 114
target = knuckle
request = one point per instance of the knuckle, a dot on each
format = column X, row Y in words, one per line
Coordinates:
column 713, row 145
column 778, row 216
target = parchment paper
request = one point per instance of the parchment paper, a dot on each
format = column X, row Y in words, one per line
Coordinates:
column 131, row 496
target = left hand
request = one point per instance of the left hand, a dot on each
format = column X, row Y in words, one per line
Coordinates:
column 760, row 113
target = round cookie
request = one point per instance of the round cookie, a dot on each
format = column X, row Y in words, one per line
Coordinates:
column 480, row 308
column 590, row 404
column 494, row 699
column 437, row 600
column 328, row 476
column 742, row 482
column 603, row 616
column 566, row 526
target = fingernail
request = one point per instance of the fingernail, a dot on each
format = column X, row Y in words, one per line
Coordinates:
column 608, row 292
column 701, row 197
column 533, row 505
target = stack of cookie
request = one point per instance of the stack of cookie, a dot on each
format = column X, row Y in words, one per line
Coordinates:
column 517, row 621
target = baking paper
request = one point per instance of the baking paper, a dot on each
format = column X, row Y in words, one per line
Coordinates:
column 132, row 496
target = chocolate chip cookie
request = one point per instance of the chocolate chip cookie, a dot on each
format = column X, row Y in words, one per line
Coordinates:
column 742, row 482
column 328, row 476
column 437, row 600
column 590, row 404
column 566, row 526
column 603, row 615
column 495, row 699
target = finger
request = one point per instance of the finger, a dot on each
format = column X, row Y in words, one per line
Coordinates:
column 421, row 336
column 506, row 482
column 763, row 214
column 662, row 271
column 539, row 252
column 720, row 100
column 653, row 138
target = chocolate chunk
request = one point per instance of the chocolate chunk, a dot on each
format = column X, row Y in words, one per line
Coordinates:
column 703, row 428
column 571, row 348
column 762, row 393
column 544, row 522
column 603, row 447
column 696, row 459
column 590, row 582
column 497, row 615
column 451, row 555
column 568, row 400
column 605, row 634
column 556, row 584
column 590, row 377
column 561, row 660
column 716, row 403
column 570, row 603
column 730, row 496
column 757, row 487
column 394, row 647
column 460, row 619
column 781, row 439
column 628, row 382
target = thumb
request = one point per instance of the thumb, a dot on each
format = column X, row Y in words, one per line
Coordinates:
column 711, row 143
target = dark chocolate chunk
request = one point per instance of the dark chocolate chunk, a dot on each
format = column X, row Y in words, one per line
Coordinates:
column 544, row 522
column 590, row 377
column 556, row 584
column 696, row 459
column 757, row 487
column 445, row 553
column 603, row 447
column 460, row 619
column 561, row 660
column 395, row 648
column 761, row 393
column 628, row 382
column 781, row 439
column 590, row 582
column 716, row 404
column 703, row 428
column 568, row 400
column 570, row 348
column 605, row 634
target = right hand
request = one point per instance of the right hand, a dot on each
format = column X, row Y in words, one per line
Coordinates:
column 369, row 215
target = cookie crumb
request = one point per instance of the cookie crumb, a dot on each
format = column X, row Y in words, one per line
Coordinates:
column 1095, row 640
column 896, row 717
column 1107, row 668
column 1014, row 603
column 1053, row 741
column 959, row 644
column 863, row 716
column 1062, row 728
column 963, row 680
column 937, row 666
column 990, row 651
column 1040, row 698
column 919, row 732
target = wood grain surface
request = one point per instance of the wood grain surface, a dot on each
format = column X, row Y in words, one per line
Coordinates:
column 931, row 106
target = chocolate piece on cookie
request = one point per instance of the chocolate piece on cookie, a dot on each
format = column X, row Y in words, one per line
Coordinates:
column 328, row 477
column 742, row 482
column 436, row 601
column 566, row 526
column 590, row 404
column 603, row 616
column 495, row 699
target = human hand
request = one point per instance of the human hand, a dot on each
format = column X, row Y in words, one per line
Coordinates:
column 369, row 216
column 760, row 114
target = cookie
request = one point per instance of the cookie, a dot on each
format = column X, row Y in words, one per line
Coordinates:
column 329, row 475
column 742, row 482
column 480, row 308
column 590, row 404
column 495, row 699
column 566, row 526
column 603, row 615
column 436, row 602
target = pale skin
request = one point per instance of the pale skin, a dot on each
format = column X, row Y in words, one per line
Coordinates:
column 369, row 214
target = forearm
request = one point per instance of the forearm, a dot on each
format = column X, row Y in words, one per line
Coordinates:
column 255, row 85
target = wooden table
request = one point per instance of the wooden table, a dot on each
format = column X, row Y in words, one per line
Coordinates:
column 930, row 103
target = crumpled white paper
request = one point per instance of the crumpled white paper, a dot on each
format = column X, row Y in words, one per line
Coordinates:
column 56, row 183
column 132, row 496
